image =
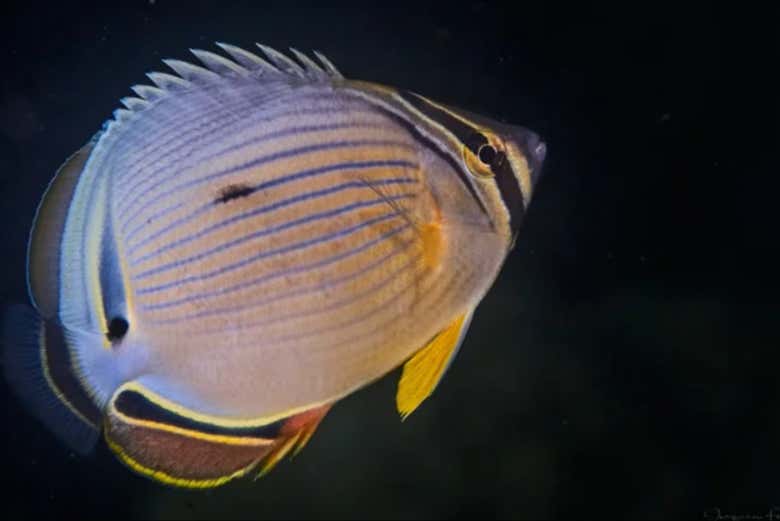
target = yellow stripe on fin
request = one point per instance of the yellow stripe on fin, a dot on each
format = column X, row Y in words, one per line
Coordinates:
column 422, row 373
column 277, row 454
column 174, row 450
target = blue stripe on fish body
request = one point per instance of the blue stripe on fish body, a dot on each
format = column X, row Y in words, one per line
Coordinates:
column 268, row 231
column 244, row 262
column 276, row 156
column 330, row 284
column 208, row 206
column 245, row 215
column 170, row 168
column 253, row 283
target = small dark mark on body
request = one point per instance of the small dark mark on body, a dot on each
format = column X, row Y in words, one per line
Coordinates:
column 117, row 329
column 230, row 192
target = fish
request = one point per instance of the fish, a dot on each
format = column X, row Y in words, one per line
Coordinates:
column 245, row 243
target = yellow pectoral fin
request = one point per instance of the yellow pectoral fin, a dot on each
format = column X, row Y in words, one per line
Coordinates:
column 422, row 373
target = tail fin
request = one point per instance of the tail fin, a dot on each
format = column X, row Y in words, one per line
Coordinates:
column 38, row 366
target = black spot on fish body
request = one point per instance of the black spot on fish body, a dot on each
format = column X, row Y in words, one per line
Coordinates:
column 117, row 329
column 235, row 191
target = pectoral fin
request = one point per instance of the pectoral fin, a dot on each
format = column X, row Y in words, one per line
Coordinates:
column 422, row 373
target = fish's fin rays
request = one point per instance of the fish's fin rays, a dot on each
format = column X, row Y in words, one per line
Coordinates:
column 241, row 63
column 37, row 365
column 282, row 62
column 428, row 232
column 331, row 69
column 400, row 210
column 422, row 373
column 192, row 73
column 147, row 92
column 163, row 446
column 248, row 59
column 312, row 69
column 176, row 446
column 277, row 454
column 294, row 435
column 168, row 82
column 134, row 104
column 43, row 258
column 218, row 64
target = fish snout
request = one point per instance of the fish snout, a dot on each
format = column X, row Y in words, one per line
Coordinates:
column 535, row 151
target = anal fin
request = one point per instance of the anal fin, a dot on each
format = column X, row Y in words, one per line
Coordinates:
column 179, row 447
column 423, row 372
column 295, row 434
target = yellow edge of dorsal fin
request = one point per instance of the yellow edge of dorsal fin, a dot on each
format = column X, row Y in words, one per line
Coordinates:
column 423, row 372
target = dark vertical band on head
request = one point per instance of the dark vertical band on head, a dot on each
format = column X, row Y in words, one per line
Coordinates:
column 509, row 187
column 470, row 136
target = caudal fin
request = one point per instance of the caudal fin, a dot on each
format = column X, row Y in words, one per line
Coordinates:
column 38, row 366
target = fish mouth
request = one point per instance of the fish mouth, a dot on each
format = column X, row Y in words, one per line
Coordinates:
column 535, row 151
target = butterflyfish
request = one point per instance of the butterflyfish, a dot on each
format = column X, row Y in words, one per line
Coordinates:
column 247, row 242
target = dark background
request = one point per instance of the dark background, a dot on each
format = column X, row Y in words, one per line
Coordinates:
column 625, row 362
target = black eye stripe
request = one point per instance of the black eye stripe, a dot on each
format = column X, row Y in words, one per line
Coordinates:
column 506, row 180
column 463, row 176
column 509, row 188
column 465, row 133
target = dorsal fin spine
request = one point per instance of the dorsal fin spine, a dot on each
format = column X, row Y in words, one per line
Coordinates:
column 218, row 64
column 243, row 63
column 282, row 62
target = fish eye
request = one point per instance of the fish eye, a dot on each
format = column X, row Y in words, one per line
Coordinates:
column 486, row 154
column 483, row 152
column 117, row 328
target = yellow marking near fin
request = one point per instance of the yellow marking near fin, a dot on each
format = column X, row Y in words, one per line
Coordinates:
column 168, row 479
column 423, row 371
column 430, row 232
column 296, row 433
column 276, row 455
column 306, row 435
column 432, row 239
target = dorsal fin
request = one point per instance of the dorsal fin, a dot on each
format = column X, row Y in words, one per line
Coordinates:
column 218, row 64
column 168, row 82
column 312, row 69
column 329, row 67
column 148, row 92
column 192, row 73
column 249, row 60
column 244, row 64
column 282, row 62
column 133, row 103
